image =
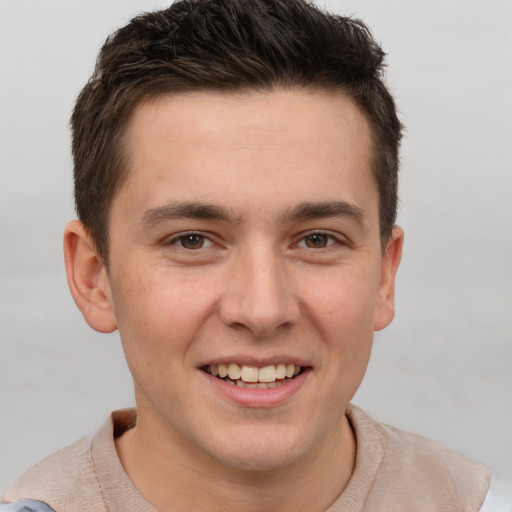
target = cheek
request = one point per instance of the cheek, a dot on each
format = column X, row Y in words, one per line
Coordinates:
column 342, row 304
column 343, row 311
column 159, row 313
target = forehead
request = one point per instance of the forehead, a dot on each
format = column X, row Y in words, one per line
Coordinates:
column 294, row 144
column 295, row 114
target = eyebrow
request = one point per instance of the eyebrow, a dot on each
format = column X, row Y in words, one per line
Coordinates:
column 322, row 210
column 205, row 211
column 188, row 210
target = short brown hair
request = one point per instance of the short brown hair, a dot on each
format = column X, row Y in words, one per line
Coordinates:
column 225, row 45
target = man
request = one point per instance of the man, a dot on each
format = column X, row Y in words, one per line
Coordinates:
column 236, row 184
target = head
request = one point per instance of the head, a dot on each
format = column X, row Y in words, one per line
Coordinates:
column 236, row 164
column 225, row 46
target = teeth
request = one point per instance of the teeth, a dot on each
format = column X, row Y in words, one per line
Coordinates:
column 267, row 374
column 234, row 371
column 258, row 385
column 223, row 370
column 252, row 385
column 249, row 373
column 280, row 371
column 252, row 374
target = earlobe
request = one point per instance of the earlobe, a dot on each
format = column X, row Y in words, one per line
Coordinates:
column 389, row 265
column 87, row 277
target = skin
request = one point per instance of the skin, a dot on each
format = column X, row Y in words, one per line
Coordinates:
column 287, row 266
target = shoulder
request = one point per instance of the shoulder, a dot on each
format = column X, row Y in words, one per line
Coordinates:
column 421, row 473
column 432, row 468
column 65, row 471
column 414, row 449
column 417, row 451
column 86, row 475
column 25, row 506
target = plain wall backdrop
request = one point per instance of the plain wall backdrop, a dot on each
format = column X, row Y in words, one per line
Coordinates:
column 443, row 368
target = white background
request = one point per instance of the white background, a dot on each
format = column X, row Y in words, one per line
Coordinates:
column 442, row 369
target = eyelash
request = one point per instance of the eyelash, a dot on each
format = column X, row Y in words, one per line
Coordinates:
column 331, row 240
column 328, row 237
column 183, row 236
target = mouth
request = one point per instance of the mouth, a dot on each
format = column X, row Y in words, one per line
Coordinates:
column 254, row 377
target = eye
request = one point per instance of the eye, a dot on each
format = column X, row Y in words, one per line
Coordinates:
column 318, row 240
column 192, row 241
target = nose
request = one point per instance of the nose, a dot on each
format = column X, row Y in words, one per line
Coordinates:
column 259, row 294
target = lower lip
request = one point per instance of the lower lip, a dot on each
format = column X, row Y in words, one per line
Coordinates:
column 258, row 398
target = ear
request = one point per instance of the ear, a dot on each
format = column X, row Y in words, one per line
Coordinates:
column 88, row 280
column 385, row 310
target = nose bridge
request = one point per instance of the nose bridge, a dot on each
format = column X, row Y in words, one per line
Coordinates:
column 259, row 294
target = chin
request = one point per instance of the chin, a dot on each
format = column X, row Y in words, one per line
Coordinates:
column 262, row 461
column 257, row 452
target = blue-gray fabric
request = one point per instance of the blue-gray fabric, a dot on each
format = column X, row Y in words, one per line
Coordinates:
column 25, row 506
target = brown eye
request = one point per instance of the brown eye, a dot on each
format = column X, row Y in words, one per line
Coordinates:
column 316, row 240
column 192, row 241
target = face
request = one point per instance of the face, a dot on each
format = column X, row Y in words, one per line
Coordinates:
column 246, row 240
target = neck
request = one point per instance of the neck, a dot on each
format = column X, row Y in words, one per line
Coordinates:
column 193, row 483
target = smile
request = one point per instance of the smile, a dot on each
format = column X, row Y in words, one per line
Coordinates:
column 246, row 376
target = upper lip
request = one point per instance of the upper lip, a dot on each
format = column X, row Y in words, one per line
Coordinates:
column 260, row 362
